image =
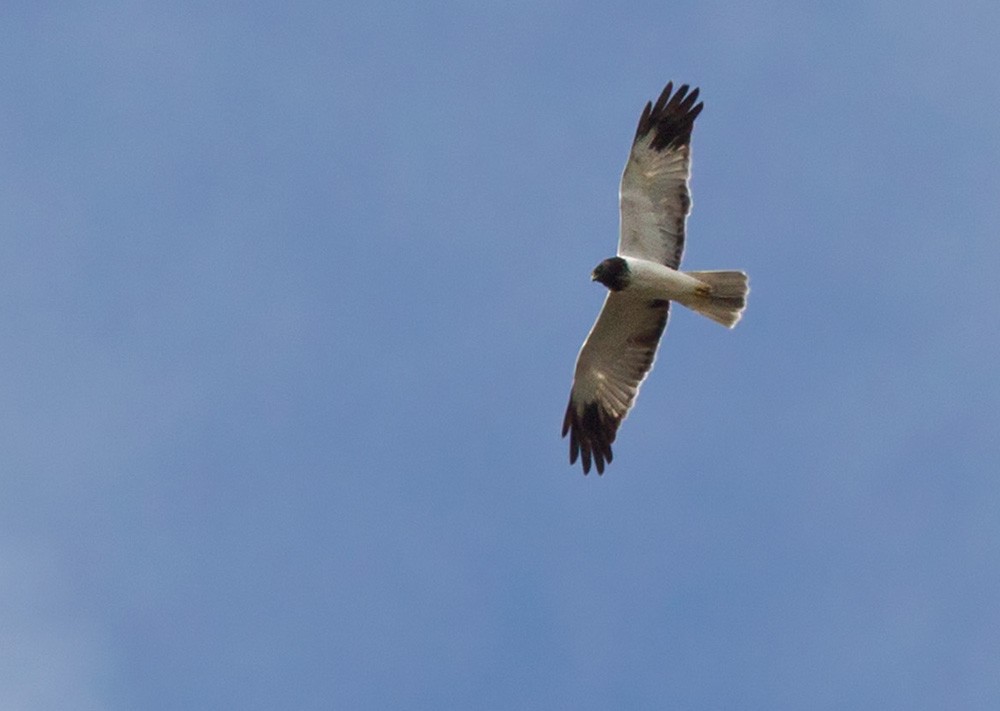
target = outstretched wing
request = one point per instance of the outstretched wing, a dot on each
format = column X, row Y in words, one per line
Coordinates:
column 613, row 362
column 654, row 196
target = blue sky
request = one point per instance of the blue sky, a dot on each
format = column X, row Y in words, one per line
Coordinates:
column 291, row 299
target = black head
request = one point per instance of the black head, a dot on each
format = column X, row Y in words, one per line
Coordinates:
column 613, row 273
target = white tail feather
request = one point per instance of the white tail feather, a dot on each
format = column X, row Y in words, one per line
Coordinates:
column 725, row 297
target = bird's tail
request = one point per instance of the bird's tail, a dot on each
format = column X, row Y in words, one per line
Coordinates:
column 724, row 298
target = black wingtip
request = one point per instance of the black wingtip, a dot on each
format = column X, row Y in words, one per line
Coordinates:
column 591, row 433
column 671, row 117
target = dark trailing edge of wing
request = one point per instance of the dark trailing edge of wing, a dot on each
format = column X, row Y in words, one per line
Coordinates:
column 590, row 435
column 671, row 116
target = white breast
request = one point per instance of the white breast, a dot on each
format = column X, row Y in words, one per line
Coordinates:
column 660, row 282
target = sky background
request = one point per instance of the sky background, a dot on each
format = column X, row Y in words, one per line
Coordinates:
column 291, row 296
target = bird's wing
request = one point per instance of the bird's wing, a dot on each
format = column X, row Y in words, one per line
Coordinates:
column 654, row 196
column 613, row 362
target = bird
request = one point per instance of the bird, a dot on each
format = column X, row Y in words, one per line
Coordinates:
column 643, row 279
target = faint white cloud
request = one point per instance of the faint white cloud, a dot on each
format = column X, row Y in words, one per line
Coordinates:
column 49, row 657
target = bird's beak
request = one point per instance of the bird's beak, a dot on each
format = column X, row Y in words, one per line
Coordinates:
column 593, row 276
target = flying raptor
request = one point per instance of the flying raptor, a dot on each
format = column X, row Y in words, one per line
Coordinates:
column 643, row 279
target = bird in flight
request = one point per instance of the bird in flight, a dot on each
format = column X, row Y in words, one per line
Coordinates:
column 643, row 279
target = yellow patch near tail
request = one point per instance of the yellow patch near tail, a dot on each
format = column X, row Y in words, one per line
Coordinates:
column 726, row 296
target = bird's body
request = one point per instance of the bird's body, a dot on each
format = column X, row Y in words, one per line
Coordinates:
column 656, row 281
column 643, row 279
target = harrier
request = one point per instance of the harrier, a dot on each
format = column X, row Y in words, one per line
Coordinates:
column 643, row 279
